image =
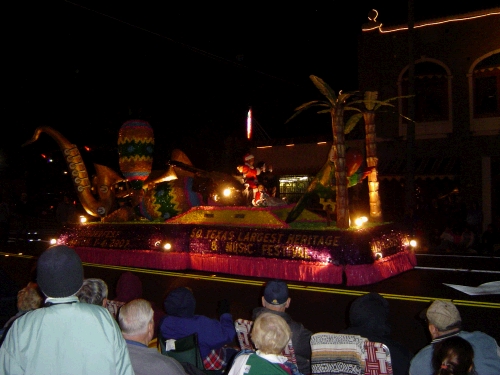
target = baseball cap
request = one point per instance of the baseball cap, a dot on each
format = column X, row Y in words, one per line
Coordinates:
column 443, row 314
column 276, row 292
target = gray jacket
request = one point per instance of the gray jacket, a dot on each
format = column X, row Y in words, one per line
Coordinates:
column 149, row 361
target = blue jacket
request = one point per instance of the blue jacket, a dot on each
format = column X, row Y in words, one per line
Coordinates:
column 486, row 354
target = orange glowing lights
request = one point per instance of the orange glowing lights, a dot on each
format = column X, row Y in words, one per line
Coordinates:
column 249, row 124
column 374, row 24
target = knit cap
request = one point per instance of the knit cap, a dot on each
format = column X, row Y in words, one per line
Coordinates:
column 59, row 272
column 180, row 302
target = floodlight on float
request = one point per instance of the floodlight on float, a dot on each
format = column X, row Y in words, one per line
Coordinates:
column 53, row 241
column 227, row 192
column 83, row 219
column 360, row 220
column 164, row 245
column 413, row 243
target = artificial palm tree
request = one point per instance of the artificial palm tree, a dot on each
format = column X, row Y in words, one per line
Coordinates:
column 370, row 105
column 335, row 106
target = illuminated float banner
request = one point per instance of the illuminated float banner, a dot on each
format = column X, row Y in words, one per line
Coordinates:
column 331, row 246
column 271, row 243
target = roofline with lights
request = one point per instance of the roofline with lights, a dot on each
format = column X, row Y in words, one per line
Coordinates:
column 373, row 24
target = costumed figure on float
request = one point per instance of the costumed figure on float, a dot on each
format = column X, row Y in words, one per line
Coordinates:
column 263, row 199
column 250, row 179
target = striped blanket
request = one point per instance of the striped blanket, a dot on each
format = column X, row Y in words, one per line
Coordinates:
column 337, row 354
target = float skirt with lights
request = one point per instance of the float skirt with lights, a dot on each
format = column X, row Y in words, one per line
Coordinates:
column 252, row 242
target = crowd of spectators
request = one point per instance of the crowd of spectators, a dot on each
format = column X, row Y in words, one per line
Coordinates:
column 77, row 333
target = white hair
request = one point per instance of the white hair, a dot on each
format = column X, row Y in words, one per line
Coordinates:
column 135, row 316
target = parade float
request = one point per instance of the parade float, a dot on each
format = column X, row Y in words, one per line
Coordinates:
column 191, row 219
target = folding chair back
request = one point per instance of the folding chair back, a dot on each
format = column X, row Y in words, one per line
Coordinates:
column 183, row 350
column 378, row 359
column 337, row 354
column 243, row 328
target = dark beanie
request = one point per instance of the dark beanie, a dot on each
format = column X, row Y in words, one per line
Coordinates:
column 370, row 311
column 180, row 302
column 59, row 272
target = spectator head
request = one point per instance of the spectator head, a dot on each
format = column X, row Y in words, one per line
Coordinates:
column 270, row 333
column 442, row 317
column 59, row 272
column 28, row 298
column 370, row 311
column 180, row 302
column 129, row 287
column 136, row 320
column 276, row 295
column 93, row 291
column 453, row 355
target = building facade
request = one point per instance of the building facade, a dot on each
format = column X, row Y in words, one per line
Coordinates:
column 455, row 79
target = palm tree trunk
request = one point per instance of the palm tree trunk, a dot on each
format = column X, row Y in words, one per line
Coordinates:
column 371, row 162
column 342, row 199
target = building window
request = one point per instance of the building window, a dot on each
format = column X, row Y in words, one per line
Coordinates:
column 486, row 80
column 293, row 187
column 431, row 93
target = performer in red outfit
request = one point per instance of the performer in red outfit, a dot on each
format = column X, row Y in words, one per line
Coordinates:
column 250, row 174
column 260, row 196
column 263, row 199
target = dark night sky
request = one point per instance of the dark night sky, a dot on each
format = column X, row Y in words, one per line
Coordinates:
column 190, row 68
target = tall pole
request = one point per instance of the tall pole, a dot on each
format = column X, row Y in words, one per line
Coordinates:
column 410, row 129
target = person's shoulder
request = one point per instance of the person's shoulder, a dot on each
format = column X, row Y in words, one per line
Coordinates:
column 245, row 353
column 422, row 354
column 472, row 334
column 257, row 310
column 27, row 319
column 95, row 310
column 154, row 358
column 421, row 362
column 288, row 318
column 477, row 336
